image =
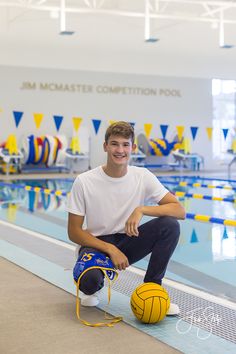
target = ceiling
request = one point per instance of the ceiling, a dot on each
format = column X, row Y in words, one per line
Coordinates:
column 175, row 37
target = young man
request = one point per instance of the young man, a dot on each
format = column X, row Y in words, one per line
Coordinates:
column 114, row 198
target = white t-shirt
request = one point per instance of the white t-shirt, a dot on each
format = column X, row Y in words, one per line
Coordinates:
column 107, row 202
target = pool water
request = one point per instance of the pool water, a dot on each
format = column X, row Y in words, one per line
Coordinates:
column 204, row 258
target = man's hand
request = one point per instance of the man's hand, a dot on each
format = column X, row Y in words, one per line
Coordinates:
column 118, row 258
column 131, row 225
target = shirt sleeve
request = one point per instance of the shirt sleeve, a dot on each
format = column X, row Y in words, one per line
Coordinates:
column 154, row 189
column 76, row 200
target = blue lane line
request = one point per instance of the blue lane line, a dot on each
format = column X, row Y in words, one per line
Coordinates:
column 207, row 197
column 198, row 177
column 200, row 186
column 22, row 186
column 212, row 219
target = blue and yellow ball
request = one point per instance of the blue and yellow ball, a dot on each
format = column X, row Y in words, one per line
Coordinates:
column 150, row 302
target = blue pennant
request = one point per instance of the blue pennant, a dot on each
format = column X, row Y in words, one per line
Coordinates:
column 17, row 117
column 194, row 132
column 58, row 120
column 96, row 124
column 163, row 130
column 225, row 132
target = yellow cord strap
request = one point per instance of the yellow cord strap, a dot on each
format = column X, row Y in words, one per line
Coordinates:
column 112, row 319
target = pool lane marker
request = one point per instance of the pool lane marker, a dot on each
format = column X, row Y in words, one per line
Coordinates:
column 202, row 196
column 198, row 185
column 36, row 189
column 211, row 219
column 197, row 178
column 59, row 193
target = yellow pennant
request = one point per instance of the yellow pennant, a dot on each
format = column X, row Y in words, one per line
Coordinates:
column 180, row 131
column 1, row 110
column 76, row 123
column 147, row 129
column 111, row 121
column 209, row 133
column 38, row 117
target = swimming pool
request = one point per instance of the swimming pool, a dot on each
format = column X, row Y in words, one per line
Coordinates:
column 204, row 258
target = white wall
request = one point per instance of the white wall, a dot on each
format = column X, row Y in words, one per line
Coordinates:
column 193, row 108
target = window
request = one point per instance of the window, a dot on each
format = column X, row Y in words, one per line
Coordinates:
column 224, row 115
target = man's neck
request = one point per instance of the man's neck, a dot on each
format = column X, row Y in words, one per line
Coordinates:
column 116, row 172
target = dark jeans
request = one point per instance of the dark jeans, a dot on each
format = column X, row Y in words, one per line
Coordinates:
column 158, row 236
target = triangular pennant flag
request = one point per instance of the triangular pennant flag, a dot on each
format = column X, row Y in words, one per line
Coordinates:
column 96, row 124
column 225, row 132
column 58, row 120
column 194, row 132
column 194, row 238
column 76, row 123
column 111, row 121
column 147, row 129
column 209, row 133
column 132, row 123
column 38, row 117
column 1, row 110
column 17, row 117
column 225, row 235
column 163, row 130
column 180, row 131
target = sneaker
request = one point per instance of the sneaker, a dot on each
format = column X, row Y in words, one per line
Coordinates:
column 173, row 310
column 89, row 300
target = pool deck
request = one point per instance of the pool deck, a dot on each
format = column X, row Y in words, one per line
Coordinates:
column 38, row 317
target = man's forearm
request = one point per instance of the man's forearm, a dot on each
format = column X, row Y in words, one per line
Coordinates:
column 171, row 209
column 84, row 238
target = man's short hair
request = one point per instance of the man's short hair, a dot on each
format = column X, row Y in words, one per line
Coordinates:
column 120, row 128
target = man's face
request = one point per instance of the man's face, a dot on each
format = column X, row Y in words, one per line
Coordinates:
column 118, row 149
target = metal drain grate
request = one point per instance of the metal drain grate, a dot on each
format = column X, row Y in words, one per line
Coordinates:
column 209, row 316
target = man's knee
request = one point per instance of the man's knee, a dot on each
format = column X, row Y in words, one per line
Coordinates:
column 171, row 224
column 92, row 281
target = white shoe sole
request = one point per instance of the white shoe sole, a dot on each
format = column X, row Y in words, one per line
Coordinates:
column 89, row 301
column 173, row 310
